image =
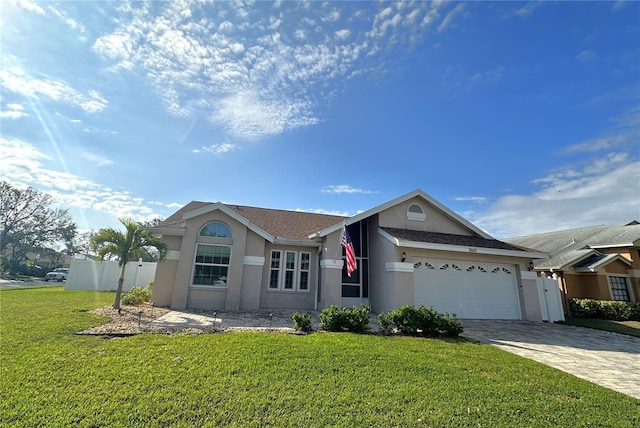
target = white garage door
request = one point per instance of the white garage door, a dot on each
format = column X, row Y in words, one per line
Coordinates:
column 469, row 290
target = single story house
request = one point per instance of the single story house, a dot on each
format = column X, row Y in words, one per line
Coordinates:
column 410, row 250
column 598, row 262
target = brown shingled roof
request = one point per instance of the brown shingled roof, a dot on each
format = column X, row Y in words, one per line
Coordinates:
column 450, row 239
column 278, row 223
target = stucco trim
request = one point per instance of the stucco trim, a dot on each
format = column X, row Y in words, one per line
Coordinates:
column 174, row 231
column 297, row 242
column 525, row 274
column 398, row 267
column 331, row 264
column 254, row 260
column 173, row 255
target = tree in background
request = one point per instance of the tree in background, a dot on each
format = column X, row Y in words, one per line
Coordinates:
column 127, row 246
column 29, row 224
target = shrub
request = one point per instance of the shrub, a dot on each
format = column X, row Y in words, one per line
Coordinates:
column 138, row 295
column 354, row 319
column 605, row 309
column 419, row 321
column 635, row 311
column 302, row 322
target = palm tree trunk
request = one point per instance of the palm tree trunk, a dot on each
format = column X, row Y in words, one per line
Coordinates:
column 116, row 304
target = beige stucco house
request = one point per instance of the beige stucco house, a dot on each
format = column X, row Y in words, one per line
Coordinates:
column 410, row 250
column 598, row 262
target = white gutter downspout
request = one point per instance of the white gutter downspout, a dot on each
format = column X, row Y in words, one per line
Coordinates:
column 315, row 300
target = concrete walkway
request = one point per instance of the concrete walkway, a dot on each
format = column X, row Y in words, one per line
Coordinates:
column 608, row 359
column 241, row 320
column 229, row 320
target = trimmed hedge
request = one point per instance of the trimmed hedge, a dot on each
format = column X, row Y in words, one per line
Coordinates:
column 302, row 322
column 607, row 309
column 354, row 319
column 419, row 321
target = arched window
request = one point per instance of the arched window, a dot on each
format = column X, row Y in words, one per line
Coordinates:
column 216, row 229
column 415, row 212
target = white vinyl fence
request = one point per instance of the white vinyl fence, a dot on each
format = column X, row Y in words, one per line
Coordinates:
column 550, row 299
column 103, row 276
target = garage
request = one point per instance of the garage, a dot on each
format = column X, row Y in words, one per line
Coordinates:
column 471, row 290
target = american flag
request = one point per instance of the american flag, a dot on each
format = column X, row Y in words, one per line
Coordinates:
column 345, row 241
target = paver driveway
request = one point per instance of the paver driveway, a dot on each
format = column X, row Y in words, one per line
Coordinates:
column 608, row 359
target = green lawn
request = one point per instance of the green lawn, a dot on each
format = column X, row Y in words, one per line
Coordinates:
column 51, row 377
column 631, row 328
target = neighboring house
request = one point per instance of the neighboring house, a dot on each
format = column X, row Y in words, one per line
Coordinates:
column 599, row 262
column 411, row 250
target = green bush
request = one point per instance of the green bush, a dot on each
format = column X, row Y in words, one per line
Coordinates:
column 419, row 321
column 138, row 295
column 354, row 319
column 604, row 309
column 302, row 322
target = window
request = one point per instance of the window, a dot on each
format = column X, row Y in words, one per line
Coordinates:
column 305, row 270
column 274, row 270
column 619, row 289
column 415, row 212
column 216, row 229
column 212, row 265
column 451, row 266
column 357, row 285
column 290, row 274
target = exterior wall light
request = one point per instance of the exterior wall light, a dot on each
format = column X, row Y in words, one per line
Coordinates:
column 404, row 256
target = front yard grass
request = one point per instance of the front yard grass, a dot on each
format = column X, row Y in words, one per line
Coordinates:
column 631, row 328
column 52, row 377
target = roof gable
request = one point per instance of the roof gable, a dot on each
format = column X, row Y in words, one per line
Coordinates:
column 599, row 260
column 414, row 194
column 613, row 235
column 271, row 224
column 568, row 247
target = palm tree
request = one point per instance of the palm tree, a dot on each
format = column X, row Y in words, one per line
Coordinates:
column 126, row 246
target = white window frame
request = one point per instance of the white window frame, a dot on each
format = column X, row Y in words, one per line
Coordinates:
column 296, row 271
column 418, row 216
column 228, row 266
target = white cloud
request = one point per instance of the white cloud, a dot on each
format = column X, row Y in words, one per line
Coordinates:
column 605, row 190
column 97, row 160
column 15, row 80
column 448, row 19
column 324, row 211
column 217, row 149
column 245, row 114
column 29, row 5
column 585, row 56
column 344, row 188
column 625, row 132
column 343, row 34
column 22, row 165
column 527, row 9
column 490, row 76
column 476, row 199
column 72, row 23
column 255, row 72
column 13, row 111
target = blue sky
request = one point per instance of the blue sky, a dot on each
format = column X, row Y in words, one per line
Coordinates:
column 523, row 117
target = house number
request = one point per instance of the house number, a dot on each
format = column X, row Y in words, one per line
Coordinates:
column 473, row 250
